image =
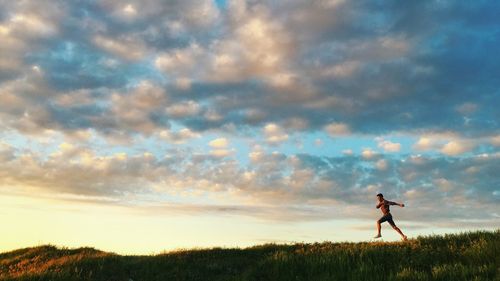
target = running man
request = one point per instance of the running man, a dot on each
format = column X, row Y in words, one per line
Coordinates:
column 384, row 206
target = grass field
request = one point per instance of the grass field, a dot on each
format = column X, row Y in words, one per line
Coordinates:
column 469, row 256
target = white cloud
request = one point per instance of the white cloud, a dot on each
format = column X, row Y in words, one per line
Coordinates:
column 129, row 10
column 22, row 28
column 178, row 137
column 219, row 143
column 263, row 181
column 202, row 13
column 131, row 109
column 434, row 141
column 274, row 134
column 424, row 143
column 75, row 98
column 125, row 12
column 456, row 147
column 255, row 46
column 222, row 152
column 413, row 194
column 32, row 25
column 368, row 153
column 253, row 59
column 256, row 154
column 263, row 42
column 283, row 80
column 129, row 48
column 389, row 146
column 337, row 129
column 183, row 109
column 184, row 63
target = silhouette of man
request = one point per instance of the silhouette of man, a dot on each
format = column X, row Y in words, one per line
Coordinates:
column 384, row 207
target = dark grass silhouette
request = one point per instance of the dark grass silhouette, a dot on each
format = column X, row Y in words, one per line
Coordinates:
column 466, row 256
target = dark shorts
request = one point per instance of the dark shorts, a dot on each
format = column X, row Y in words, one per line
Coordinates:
column 387, row 218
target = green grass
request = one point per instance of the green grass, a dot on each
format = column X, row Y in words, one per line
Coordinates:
column 471, row 256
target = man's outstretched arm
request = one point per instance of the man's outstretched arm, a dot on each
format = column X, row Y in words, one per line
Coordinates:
column 394, row 203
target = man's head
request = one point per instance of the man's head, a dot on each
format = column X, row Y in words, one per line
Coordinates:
column 380, row 197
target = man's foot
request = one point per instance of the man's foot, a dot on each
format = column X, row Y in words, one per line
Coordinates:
column 405, row 238
column 378, row 236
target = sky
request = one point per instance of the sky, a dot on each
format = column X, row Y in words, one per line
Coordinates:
column 146, row 126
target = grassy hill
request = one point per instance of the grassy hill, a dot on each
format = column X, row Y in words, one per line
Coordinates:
column 467, row 256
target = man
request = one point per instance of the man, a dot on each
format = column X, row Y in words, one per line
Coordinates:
column 384, row 206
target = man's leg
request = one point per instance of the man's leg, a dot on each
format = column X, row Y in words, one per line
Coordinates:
column 398, row 230
column 378, row 230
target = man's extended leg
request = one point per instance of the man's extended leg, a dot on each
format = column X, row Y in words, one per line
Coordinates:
column 399, row 231
column 391, row 222
column 378, row 230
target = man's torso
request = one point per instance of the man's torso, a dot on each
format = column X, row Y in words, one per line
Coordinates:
column 385, row 207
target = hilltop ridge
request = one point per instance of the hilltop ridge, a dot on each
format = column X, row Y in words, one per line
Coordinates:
column 465, row 256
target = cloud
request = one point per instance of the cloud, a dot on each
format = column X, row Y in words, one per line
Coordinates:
column 456, row 148
column 451, row 143
column 219, row 143
column 203, row 13
column 115, row 80
column 132, row 110
column 178, row 137
column 23, row 29
column 274, row 134
column 220, row 148
column 381, row 164
column 278, row 56
column 368, row 153
column 6, row 152
column 221, row 152
column 129, row 11
column 389, row 146
column 271, row 179
column 444, row 184
column 183, row 109
column 424, row 143
column 337, row 129
column 254, row 47
column 183, row 63
column 33, row 25
column 126, row 48
column 495, row 140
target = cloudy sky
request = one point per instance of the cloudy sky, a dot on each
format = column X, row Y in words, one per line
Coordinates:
column 141, row 126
